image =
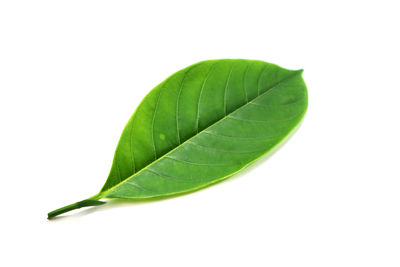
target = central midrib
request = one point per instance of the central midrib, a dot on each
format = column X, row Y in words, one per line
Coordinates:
column 104, row 193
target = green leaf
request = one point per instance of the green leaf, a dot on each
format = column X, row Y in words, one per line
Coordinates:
column 203, row 124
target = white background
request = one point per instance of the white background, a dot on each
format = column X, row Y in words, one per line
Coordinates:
column 72, row 73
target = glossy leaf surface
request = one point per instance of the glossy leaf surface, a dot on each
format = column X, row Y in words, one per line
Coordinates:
column 202, row 124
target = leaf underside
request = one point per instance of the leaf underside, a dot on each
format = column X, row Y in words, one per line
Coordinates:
column 203, row 124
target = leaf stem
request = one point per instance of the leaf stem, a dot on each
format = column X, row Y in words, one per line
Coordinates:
column 84, row 203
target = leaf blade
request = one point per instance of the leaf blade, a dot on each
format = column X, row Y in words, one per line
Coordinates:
column 161, row 178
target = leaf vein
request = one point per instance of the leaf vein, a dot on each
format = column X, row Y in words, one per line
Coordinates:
column 131, row 147
column 225, row 150
column 263, row 121
column 152, row 124
column 226, row 87
column 259, row 79
column 177, row 106
column 162, row 175
column 244, row 81
column 134, row 184
column 196, row 163
column 243, row 137
column 201, row 92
